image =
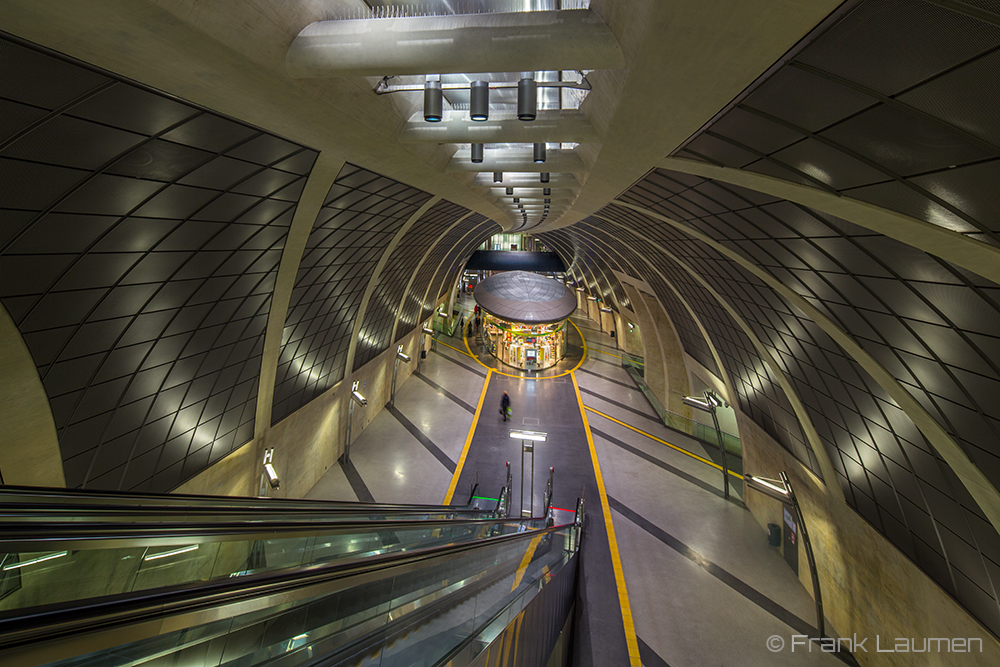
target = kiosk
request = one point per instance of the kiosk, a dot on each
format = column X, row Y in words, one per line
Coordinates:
column 524, row 318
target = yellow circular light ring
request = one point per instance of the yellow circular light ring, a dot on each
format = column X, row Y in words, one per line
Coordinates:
column 520, row 377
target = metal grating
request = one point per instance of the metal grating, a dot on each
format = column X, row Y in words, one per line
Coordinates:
column 362, row 213
column 138, row 254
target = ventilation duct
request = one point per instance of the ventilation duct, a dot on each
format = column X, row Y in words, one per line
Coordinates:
column 479, row 100
column 527, row 99
column 433, row 102
column 538, row 153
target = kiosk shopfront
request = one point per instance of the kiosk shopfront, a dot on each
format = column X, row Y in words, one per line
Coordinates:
column 524, row 318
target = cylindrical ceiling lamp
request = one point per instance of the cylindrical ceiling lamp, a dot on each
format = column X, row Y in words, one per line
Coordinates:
column 527, row 99
column 545, row 177
column 517, row 200
column 510, row 191
column 479, row 100
column 538, row 154
column 477, row 153
column 498, row 177
column 548, row 201
column 546, row 191
column 433, row 101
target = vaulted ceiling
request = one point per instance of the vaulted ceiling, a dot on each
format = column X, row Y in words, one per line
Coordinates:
column 194, row 244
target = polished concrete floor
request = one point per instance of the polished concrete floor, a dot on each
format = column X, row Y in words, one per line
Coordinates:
column 704, row 587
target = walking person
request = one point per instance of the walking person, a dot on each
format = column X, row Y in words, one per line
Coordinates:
column 505, row 405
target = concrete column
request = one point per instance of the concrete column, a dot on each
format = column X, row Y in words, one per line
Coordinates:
column 673, row 357
column 655, row 377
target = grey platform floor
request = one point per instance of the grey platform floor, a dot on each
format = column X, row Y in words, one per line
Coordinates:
column 704, row 588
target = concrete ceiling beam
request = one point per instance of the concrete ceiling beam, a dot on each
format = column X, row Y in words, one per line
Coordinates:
column 525, row 180
column 560, row 161
column 512, row 42
column 550, row 125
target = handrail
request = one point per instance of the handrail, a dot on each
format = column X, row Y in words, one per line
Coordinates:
column 69, row 535
column 66, row 619
column 702, row 432
column 136, row 500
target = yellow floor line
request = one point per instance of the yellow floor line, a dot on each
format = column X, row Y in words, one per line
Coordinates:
column 525, row 562
column 468, row 441
column 616, row 356
column 519, row 377
column 630, row 638
column 664, row 442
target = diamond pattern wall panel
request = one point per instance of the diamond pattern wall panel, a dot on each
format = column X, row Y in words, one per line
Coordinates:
column 383, row 307
column 139, row 243
column 597, row 264
column 932, row 325
column 892, row 105
column 459, row 254
column 415, row 309
column 362, row 213
column 595, row 234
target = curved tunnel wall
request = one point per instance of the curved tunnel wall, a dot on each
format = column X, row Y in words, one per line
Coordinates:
column 862, row 110
column 140, row 242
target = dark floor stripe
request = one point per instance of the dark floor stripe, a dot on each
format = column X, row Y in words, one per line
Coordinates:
column 447, row 394
column 688, row 477
column 605, row 361
column 459, row 363
column 358, row 484
column 649, row 657
column 607, row 379
column 421, row 438
column 634, row 411
column 746, row 590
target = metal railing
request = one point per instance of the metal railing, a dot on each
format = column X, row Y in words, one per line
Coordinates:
column 635, row 367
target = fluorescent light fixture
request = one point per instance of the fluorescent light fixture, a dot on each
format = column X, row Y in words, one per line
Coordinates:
column 358, row 398
column 35, row 561
column 579, row 289
column 592, row 298
column 697, row 403
column 772, row 487
column 606, row 310
column 304, row 635
column 174, row 552
column 428, row 330
column 714, row 400
column 405, row 358
column 272, row 475
column 537, row 436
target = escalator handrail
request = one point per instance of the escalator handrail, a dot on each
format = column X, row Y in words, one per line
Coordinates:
column 54, row 537
column 23, row 495
column 63, row 620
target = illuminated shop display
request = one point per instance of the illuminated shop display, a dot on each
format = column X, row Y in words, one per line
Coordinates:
column 524, row 318
column 527, row 346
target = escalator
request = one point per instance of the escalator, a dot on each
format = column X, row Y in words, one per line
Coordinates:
column 105, row 579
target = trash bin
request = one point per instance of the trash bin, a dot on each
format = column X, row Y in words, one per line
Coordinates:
column 774, row 534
